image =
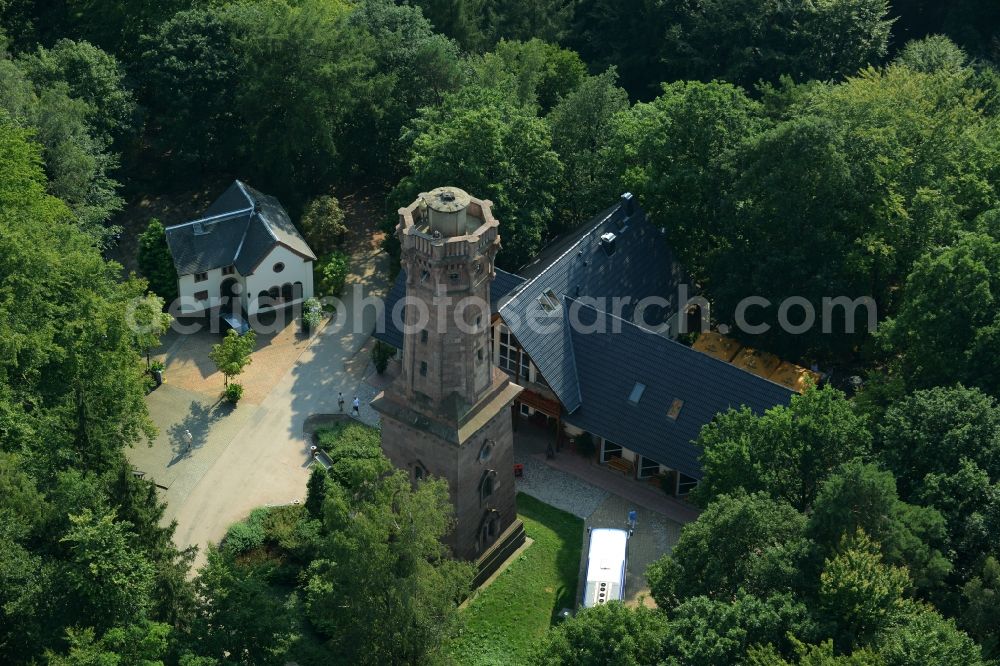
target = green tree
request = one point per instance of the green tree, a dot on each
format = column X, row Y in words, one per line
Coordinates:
column 148, row 323
column 190, row 67
column 703, row 630
column 77, row 160
column 607, row 33
column 156, row 262
column 583, row 123
column 676, row 154
column 240, row 615
column 233, row 354
column 607, row 634
column 533, row 72
column 91, row 75
column 144, row 644
column 925, row 637
column 739, row 541
column 786, row 452
column 933, row 54
column 866, row 176
column 548, row 20
column 859, row 496
column 947, row 329
column 981, row 615
column 858, row 593
column 460, row 20
column 331, row 273
column 323, row 225
column 316, row 491
column 495, row 151
column 417, row 66
column 749, row 40
column 384, row 590
column 109, row 582
column 934, row 429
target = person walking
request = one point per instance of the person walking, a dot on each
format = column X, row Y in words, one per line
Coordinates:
column 340, row 401
column 356, row 407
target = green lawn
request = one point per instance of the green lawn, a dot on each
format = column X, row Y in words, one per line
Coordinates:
column 506, row 620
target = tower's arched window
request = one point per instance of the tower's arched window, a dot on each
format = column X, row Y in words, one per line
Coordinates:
column 489, row 528
column 487, row 484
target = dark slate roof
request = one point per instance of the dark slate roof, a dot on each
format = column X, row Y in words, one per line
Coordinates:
column 390, row 334
column 240, row 227
column 609, row 364
column 640, row 266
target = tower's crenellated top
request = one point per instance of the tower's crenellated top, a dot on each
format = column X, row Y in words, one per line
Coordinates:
column 446, row 223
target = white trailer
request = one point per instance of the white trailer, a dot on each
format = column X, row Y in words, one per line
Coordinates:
column 606, row 561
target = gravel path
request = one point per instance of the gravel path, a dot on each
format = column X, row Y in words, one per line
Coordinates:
column 558, row 488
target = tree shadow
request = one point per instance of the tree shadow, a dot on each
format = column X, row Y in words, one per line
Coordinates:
column 198, row 422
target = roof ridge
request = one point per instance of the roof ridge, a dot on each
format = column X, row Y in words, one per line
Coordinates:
column 572, row 357
column 555, row 261
column 218, row 217
column 679, row 344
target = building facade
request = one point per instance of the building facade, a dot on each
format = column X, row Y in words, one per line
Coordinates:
column 588, row 330
column 243, row 255
column 448, row 414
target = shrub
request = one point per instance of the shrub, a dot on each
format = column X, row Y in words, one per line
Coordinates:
column 156, row 263
column 381, row 354
column 312, row 314
column 323, row 224
column 233, row 393
column 331, row 273
column 585, row 445
column 246, row 535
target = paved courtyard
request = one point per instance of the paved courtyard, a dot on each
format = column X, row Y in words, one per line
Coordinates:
column 601, row 501
column 257, row 453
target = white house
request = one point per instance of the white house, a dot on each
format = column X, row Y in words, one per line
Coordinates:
column 244, row 250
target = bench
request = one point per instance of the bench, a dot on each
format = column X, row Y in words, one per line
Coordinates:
column 621, row 465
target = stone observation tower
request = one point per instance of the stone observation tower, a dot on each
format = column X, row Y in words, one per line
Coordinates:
column 448, row 414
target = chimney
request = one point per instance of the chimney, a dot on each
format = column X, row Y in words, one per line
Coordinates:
column 608, row 243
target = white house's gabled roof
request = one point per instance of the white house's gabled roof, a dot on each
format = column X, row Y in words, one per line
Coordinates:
column 240, row 228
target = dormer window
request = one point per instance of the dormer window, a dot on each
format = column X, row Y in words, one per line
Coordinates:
column 675, row 409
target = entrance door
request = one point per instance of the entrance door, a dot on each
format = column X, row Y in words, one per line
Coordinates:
column 610, row 450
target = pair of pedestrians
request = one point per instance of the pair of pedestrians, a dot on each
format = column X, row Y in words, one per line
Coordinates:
column 355, row 404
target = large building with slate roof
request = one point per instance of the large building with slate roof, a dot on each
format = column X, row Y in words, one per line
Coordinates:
column 588, row 330
column 243, row 253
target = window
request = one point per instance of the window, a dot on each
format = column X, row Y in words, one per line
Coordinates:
column 423, row 368
column 525, row 410
column 685, row 484
column 201, row 295
column 200, row 277
column 479, row 353
column 675, row 409
column 423, row 336
column 511, row 355
column 479, row 322
column 486, row 452
column 228, row 270
column 453, row 277
column 286, row 291
column 419, row 473
column 424, row 275
column 278, row 267
column 648, row 467
column 610, row 450
column 636, row 394
column 489, row 529
column 486, row 485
